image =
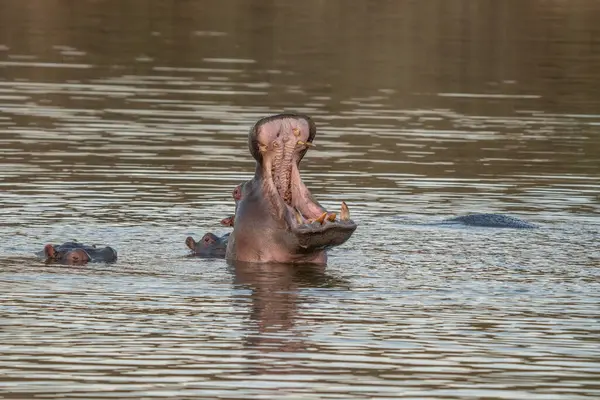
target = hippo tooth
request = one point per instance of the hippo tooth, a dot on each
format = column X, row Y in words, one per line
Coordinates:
column 296, row 132
column 299, row 218
column 331, row 217
column 321, row 219
column 345, row 214
column 308, row 144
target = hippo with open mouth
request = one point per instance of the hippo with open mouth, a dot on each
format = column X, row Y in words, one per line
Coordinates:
column 276, row 218
column 75, row 253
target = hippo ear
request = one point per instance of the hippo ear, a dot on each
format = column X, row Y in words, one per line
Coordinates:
column 190, row 242
column 228, row 221
column 237, row 192
column 49, row 251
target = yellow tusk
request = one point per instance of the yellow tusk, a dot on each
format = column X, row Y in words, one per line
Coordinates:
column 321, row 219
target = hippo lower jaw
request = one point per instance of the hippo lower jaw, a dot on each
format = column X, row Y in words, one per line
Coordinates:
column 313, row 226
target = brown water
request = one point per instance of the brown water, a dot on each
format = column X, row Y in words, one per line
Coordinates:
column 124, row 123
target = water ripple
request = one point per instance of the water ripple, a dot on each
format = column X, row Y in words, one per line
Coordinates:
column 128, row 127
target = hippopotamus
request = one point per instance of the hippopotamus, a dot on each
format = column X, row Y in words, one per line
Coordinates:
column 489, row 221
column 210, row 246
column 276, row 218
column 77, row 253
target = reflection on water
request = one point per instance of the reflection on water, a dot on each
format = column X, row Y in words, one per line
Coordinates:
column 125, row 125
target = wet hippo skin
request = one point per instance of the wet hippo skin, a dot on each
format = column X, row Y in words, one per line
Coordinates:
column 277, row 219
column 490, row 221
column 237, row 195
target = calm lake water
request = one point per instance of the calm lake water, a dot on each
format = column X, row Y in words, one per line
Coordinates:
column 125, row 124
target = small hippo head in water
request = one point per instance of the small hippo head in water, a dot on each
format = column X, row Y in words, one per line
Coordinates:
column 74, row 253
column 210, row 246
column 277, row 219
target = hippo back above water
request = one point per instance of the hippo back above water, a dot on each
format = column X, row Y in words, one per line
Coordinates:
column 489, row 221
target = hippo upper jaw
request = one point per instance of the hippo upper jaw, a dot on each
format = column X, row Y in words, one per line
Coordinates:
column 282, row 207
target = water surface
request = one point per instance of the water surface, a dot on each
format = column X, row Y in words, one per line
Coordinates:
column 125, row 123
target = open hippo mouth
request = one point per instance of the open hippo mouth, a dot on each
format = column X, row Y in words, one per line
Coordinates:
column 279, row 143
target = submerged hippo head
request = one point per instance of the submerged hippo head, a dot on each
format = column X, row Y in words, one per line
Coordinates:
column 276, row 218
column 210, row 246
column 74, row 253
